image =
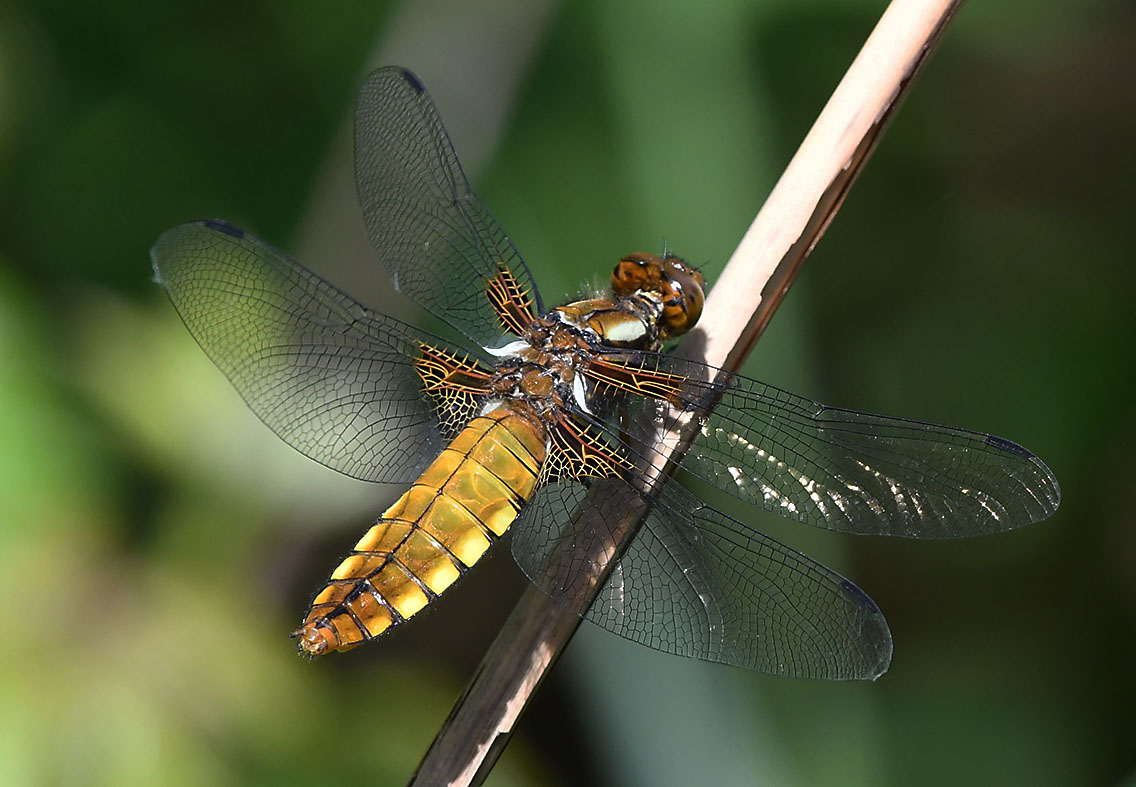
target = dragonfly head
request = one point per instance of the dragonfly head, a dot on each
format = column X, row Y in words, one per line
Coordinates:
column 676, row 285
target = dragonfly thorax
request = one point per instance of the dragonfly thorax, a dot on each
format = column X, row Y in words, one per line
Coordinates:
column 542, row 369
column 654, row 299
column 626, row 323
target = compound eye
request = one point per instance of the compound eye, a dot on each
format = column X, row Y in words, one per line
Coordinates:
column 633, row 273
column 680, row 314
column 684, row 299
column 676, row 285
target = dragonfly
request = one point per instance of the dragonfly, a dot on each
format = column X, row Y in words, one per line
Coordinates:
column 538, row 414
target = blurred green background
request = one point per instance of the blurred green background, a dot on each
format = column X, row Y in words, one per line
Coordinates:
column 157, row 544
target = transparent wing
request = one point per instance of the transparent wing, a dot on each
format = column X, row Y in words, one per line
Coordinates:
column 696, row 583
column 335, row 381
column 844, row 470
column 440, row 243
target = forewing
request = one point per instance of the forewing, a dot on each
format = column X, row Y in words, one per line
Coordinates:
column 696, row 583
column 337, row 382
column 844, row 470
column 440, row 243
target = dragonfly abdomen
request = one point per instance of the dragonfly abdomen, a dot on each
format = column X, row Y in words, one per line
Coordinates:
column 460, row 505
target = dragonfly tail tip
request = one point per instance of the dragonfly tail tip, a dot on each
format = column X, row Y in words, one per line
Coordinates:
column 315, row 640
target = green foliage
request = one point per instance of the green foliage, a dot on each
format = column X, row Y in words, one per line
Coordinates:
column 157, row 544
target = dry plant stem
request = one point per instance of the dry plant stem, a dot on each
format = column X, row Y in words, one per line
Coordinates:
column 740, row 306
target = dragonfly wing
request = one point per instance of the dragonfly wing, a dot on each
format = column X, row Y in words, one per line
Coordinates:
column 844, row 470
column 339, row 383
column 439, row 241
column 862, row 473
column 696, row 583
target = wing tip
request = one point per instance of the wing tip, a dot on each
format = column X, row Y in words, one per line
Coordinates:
column 1052, row 489
column 875, row 643
column 412, row 79
column 1051, row 500
column 1002, row 444
column 859, row 597
column 164, row 251
column 220, row 225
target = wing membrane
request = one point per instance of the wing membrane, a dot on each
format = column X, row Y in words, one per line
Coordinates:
column 850, row 471
column 696, row 583
column 334, row 380
column 440, row 243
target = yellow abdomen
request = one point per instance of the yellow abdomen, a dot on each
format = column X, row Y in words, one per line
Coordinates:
column 460, row 505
